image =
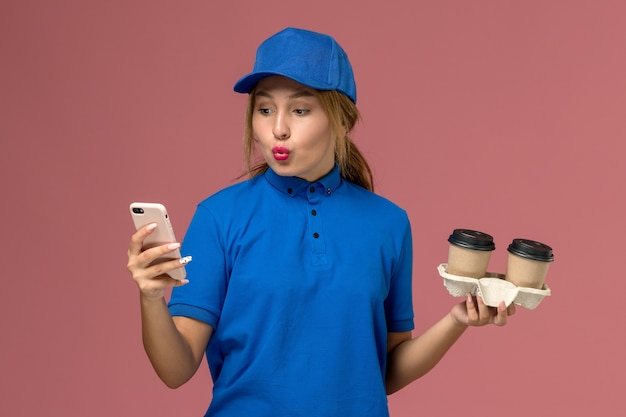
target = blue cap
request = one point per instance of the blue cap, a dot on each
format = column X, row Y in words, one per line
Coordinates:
column 310, row 58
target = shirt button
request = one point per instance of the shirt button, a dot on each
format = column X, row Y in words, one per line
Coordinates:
column 289, row 191
column 312, row 189
column 328, row 191
column 316, row 235
column 313, row 212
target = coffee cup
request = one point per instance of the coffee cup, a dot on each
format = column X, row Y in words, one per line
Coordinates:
column 528, row 263
column 469, row 253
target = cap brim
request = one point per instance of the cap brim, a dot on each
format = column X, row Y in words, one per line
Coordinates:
column 247, row 83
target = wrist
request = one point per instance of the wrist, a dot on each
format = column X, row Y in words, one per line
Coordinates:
column 456, row 323
column 151, row 299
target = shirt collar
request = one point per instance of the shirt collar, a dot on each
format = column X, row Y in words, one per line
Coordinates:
column 293, row 185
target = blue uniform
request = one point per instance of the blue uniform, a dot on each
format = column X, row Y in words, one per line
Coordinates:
column 301, row 283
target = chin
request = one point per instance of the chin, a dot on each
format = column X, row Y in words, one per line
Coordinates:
column 282, row 169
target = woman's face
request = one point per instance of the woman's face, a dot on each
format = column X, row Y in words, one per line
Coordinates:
column 292, row 129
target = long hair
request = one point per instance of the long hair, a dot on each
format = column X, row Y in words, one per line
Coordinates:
column 343, row 116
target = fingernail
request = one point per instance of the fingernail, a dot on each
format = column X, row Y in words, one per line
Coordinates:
column 184, row 281
column 175, row 245
column 185, row 260
column 151, row 226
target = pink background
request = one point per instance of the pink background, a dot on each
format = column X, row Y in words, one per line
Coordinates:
column 504, row 116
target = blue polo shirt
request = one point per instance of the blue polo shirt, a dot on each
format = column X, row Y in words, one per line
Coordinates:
column 301, row 283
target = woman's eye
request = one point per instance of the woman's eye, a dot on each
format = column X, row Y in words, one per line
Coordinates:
column 263, row 110
column 301, row 112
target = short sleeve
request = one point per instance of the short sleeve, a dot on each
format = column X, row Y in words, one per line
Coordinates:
column 203, row 297
column 399, row 303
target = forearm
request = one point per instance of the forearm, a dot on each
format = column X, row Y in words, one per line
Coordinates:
column 168, row 351
column 414, row 358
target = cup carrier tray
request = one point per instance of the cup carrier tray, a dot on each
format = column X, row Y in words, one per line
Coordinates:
column 493, row 289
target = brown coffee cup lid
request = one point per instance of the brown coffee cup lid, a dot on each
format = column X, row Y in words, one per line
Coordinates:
column 531, row 249
column 472, row 239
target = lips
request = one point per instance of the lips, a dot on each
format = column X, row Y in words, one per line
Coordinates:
column 280, row 153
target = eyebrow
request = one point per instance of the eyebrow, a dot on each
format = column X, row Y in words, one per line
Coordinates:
column 291, row 97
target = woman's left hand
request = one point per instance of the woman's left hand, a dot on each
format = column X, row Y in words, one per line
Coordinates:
column 474, row 312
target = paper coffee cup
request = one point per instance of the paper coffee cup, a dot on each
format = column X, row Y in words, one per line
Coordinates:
column 469, row 253
column 528, row 263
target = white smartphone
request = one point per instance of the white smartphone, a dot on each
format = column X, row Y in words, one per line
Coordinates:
column 146, row 213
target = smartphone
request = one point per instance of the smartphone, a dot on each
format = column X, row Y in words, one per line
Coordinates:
column 146, row 213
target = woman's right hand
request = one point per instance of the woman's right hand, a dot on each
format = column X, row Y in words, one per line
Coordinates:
column 152, row 280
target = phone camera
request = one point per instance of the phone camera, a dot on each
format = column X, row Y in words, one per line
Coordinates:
column 137, row 210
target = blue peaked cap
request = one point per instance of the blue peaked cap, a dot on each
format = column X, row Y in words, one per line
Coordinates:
column 310, row 58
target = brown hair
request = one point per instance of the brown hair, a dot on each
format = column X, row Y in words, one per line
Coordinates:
column 343, row 115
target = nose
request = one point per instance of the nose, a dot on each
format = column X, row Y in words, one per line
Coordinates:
column 281, row 129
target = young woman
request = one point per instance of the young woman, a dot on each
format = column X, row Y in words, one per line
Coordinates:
column 299, row 292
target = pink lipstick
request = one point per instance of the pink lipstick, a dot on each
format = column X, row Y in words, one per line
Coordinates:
column 280, row 153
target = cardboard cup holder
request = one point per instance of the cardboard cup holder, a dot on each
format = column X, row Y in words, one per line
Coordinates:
column 493, row 288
